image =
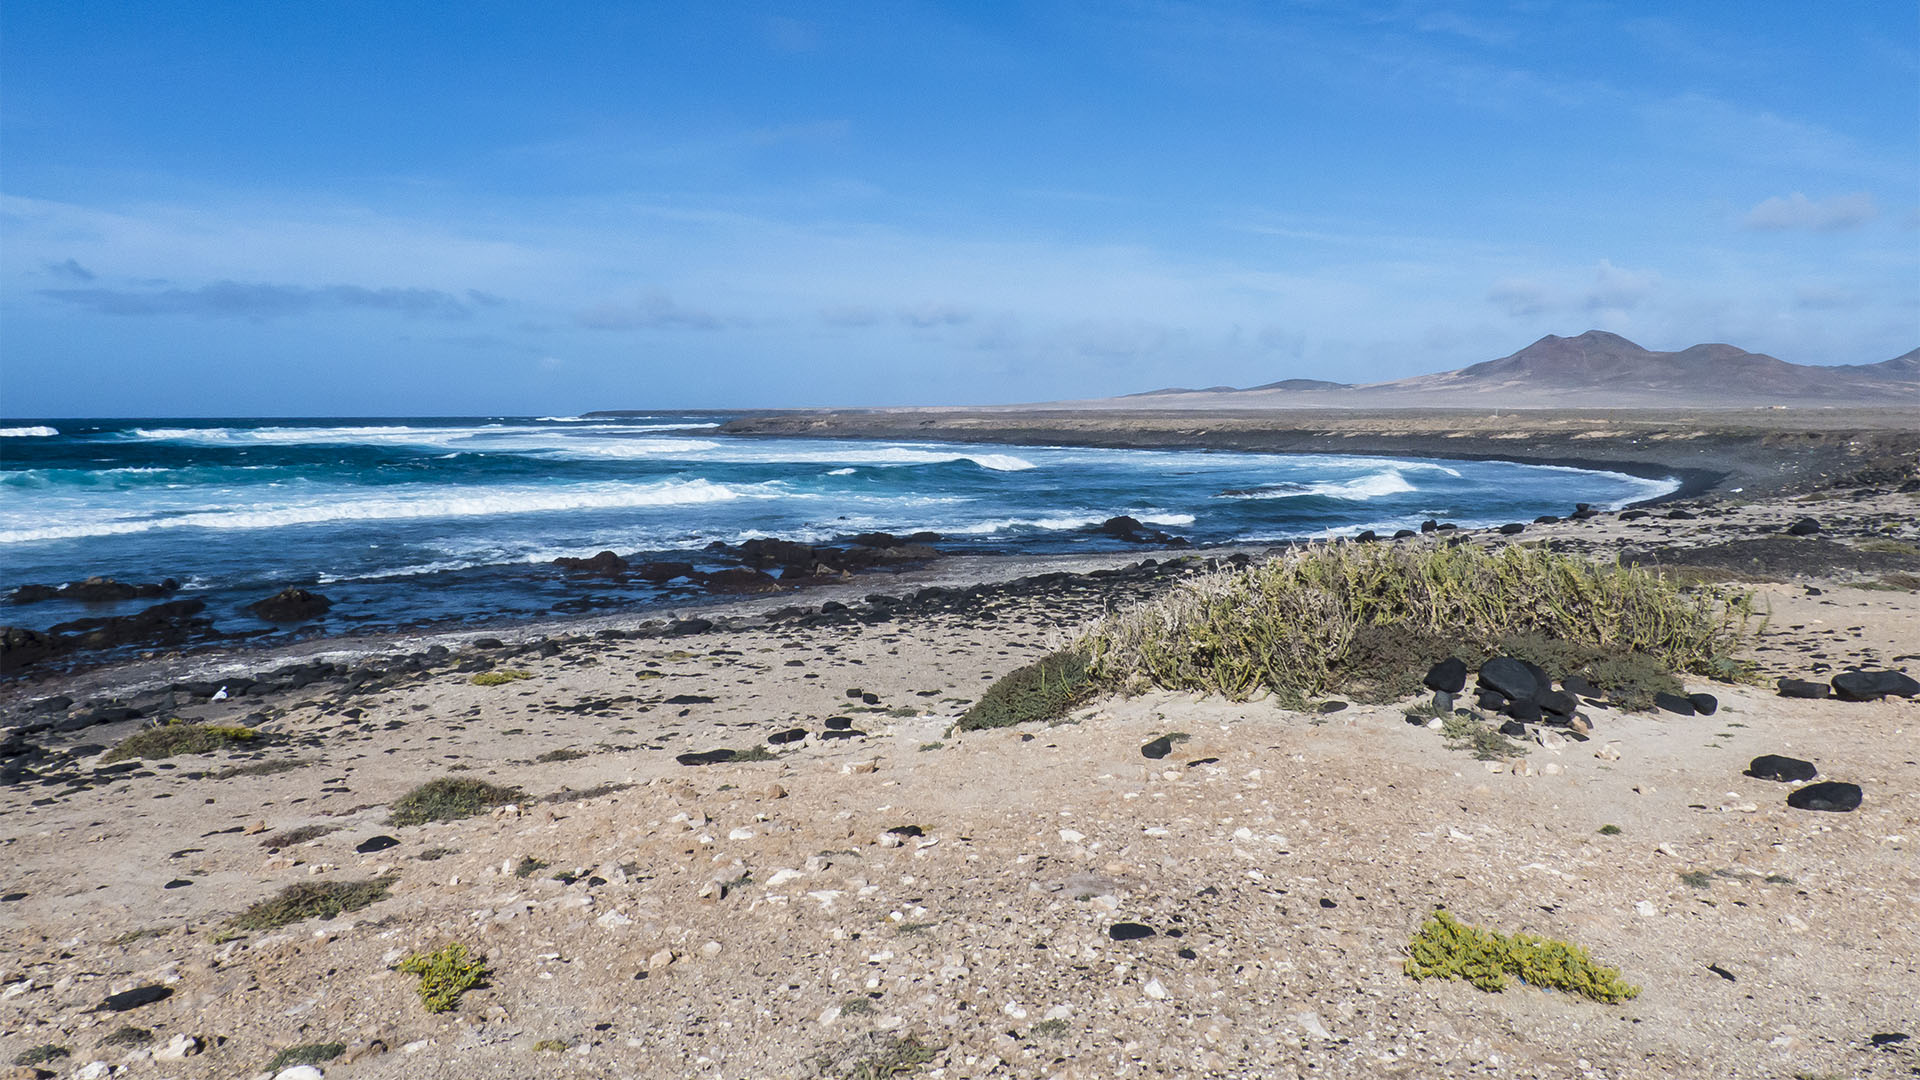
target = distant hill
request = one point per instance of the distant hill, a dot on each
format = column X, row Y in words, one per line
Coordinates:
column 1595, row 370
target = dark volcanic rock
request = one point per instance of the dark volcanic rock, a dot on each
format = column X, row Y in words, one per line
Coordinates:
column 1559, row 703
column 1801, row 688
column 1158, row 748
column 662, row 571
column 1673, row 703
column 705, row 757
column 1528, row 711
column 1786, row 770
column 94, row 590
column 1510, row 677
column 171, row 623
column 605, row 563
column 1831, row 796
column 1129, row 931
column 1806, row 526
column 1873, row 685
column 1449, row 676
column 1133, row 532
column 781, row 738
column 1512, row 528
column 290, row 605
column 741, row 580
column 20, row 646
column 134, row 998
column 375, row 843
column 1704, row 704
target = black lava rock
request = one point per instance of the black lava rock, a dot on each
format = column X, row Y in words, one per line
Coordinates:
column 1832, row 796
column 1559, row 703
column 290, row 605
column 1129, row 931
column 1873, row 685
column 1512, row 528
column 1785, row 770
column 375, row 843
column 606, row 564
column 177, row 883
column 1801, row 688
column 1527, row 711
column 838, row 723
column 1806, row 526
column 1514, row 729
column 1158, row 748
column 134, row 998
column 1704, row 704
column 1449, row 676
column 1492, row 700
column 705, row 757
column 1575, row 684
column 1673, row 703
column 1510, row 677
column 781, row 738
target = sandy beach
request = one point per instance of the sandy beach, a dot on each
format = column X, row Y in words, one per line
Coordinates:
column 882, row 890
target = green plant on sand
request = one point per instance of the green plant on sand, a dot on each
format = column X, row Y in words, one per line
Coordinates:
column 1472, row 732
column 445, row 974
column 1446, row 948
column 311, row 899
column 450, row 798
column 309, row 1054
column 1367, row 619
column 499, row 677
column 1046, row 689
column 177, row 736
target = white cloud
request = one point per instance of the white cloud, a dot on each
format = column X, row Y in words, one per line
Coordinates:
column 1796, row 211
column 1617, row 289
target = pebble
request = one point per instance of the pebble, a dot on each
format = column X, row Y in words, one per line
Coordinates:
column 1310, row 1023
column 1831, row 796
column 178, row 1048
column 1785, row 770
column 1645, row 909
column 299, row 1072
column 1154, row 990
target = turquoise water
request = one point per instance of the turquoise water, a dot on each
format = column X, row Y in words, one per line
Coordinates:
column 405, row 521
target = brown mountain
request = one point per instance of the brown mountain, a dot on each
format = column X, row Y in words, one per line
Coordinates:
column 1593, row 370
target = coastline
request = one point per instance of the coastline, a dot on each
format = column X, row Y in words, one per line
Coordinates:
column 1746, row 452
column 884, row 876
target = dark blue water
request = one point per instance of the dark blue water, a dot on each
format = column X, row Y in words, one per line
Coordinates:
column 419, row 520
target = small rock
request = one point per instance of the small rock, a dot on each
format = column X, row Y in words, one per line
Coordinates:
column 1704, row 704
column 1801, row 688
column 1154, row 990
column 1645, row 909
column 1673, row 703
column 1786, row 770
column 300, row 1072
column 774, row 791
column 1873, row 685
column 375, row 843
column 1831, row 796
column 1806, row 526
column 178, row 1048
column 133, row 999
column 1608, row 752
column 1129, row 931
column 1449, row 676
column 711, row 949
column 100, row 1070
column 1579, row 725
column 1158, row 748
column 660, row 961
column 1310, row 1023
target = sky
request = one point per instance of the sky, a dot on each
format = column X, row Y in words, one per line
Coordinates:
column 395, row 208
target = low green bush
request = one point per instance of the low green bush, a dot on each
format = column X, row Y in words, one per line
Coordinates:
column 450, row 798
column 311, row 899
column 310, row 1054
column 1446, row 948
column 499, row 677
column 445, row 974
column 180, row 737
column 1046, row 689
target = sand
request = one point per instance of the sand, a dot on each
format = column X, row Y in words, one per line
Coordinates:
column 759, row 919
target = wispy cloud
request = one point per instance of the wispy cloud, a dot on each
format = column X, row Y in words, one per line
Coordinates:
column 68, row 268
column 1796, row 211
column 1617, row 289
column 650, row 311
column 260, row 300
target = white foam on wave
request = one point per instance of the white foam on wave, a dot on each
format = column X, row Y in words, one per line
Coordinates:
column 885, row 456
column 841, row 472
column 416, row 504
column 38, row 431
column 630, row 448
column 1370, row 486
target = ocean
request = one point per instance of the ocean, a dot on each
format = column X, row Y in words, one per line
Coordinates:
column 411, row 522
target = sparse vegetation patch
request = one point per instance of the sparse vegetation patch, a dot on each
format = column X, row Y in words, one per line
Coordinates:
column 499, row 677
column 311, row 899
column 1446, row 948
column 445, row 974
column 309, row 1054
column 1046, row 689
column 450, row 798
column 180, row 737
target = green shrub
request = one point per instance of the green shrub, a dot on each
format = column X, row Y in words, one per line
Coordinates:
column 1474, row 734
column 1046, row 689
column 310, row 1054
column 40, row 1055
column 450, row 798
column 898, row 1058
column 1448, row 949
column 180, row 737
column 499, row 678
column 311, row 899
column 445, row 974
column 1367, row 619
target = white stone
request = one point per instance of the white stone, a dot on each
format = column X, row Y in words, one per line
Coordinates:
column 1645, row 909
column 711, row 949
column 1310, row 1023
column 178, row 1048
column 613, row 919
column 1154, row 990
column 299, row 1072
column 98, row 1070
column 742, row 833
column 781, row 877
column 1071, row 837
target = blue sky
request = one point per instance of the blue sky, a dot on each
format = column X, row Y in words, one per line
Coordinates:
column 410, row 208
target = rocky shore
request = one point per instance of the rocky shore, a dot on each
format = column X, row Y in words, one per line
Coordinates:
column 746, row 838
